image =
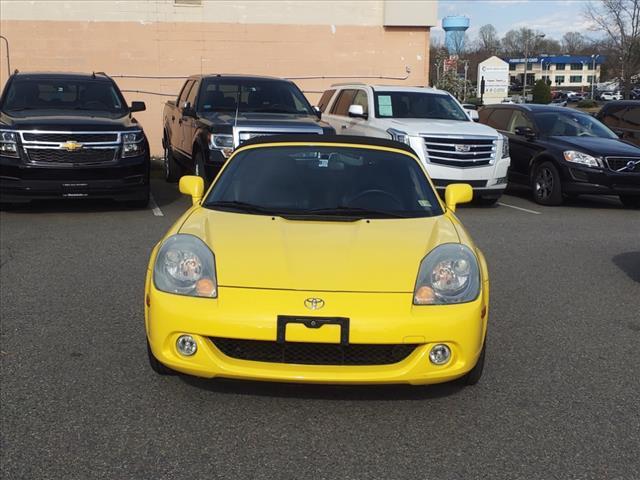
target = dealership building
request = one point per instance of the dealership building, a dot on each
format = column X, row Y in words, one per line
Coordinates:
column 576, row 72
column 149, row 46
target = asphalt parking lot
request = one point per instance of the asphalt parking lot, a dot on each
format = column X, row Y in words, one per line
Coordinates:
column 559, row 397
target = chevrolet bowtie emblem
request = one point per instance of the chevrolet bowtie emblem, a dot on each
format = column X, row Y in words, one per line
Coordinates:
column 71, row 146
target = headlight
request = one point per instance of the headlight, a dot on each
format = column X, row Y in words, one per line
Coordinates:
column 8, row 143
column 398, row 135
column 186, row 266
column 448, row 274
column 132, row 143
column 222, row 142
column 582, row 158
column 505, row 146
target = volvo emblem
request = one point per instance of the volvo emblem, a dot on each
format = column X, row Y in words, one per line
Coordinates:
column 314, row 303
column 630, row 166
column 462, row 148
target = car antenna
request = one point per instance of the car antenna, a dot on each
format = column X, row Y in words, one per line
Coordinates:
column 235, row 121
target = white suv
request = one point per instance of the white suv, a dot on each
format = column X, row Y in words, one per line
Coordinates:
column 451, row 145
column 610, row 96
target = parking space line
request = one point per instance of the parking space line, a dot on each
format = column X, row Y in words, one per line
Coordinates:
column 154, row 207
column 519, row 208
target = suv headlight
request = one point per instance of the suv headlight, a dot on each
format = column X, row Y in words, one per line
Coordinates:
column 186, row 266
column 132, row 143
column 398, row 135
column 448, row 274
column 9, row 143
column 505, row 146
column 574, row 156
column 222, row 142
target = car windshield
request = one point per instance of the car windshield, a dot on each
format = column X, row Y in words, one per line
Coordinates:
column 64, row 94
column 571, row 124
column 252, row 96
column 418, row 105
column 331, row 182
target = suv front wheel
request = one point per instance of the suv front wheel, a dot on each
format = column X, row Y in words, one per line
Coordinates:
column 545, row 184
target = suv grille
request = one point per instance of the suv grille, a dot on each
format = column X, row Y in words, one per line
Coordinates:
column 460, row 152
column 313, row 353
column 56, row 155
column 64, row 137
column 616, row 163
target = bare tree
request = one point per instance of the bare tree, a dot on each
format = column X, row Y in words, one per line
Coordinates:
column 620, row 19
column 573, row 42
column 521, row 41
column 488, row 39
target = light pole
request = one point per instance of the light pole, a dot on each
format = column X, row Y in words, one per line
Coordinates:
column 593, row 74
column 526, row 59
column 466, row 68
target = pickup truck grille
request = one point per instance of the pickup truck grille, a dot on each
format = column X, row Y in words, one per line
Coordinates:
column 460, row 152
column 82, row 137
column 48, row 156
column 622, row 164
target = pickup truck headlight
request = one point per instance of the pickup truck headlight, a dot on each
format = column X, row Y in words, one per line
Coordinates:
column 505, row 146
column 222, row 142
column 186, row 266
column 399, row 135
column 132, row 144
column 448, row 274
column 574, row 156
column 9, row 143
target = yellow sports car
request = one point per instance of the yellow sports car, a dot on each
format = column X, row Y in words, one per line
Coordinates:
column 321, row 259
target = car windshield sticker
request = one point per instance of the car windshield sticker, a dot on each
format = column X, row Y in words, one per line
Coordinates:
column 424, row 203
column 384, row 106
column 323, row 163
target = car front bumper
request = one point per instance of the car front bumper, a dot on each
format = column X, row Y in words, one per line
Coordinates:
column 127, row 179
column 375, row 318
column 581, row 180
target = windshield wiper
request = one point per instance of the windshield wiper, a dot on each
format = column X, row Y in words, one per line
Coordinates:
column 354, row 211
column 239, row 207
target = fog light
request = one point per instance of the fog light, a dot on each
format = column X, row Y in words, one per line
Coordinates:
column 186, row 345
column 439, row 354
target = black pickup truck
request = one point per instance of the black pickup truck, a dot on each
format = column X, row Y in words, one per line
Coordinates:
column 214, row 114
column 70, row 135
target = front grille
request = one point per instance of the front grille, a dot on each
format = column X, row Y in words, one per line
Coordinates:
column 65, row 137
column 313, row 353
column 59, row 156
column 616, row 163
column 460, row 152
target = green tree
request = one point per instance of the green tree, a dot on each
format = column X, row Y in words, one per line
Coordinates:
column 541, row 92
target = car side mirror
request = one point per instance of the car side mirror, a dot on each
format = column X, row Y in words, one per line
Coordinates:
column 525, row 132
column 473, row 115
column 456, row 193
column 618, row 132
column 317, row 111
column 357, row 111
column 192, row 185
column 187, row 110
column 137, row 107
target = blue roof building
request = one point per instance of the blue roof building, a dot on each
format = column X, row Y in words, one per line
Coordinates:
column 563, row 71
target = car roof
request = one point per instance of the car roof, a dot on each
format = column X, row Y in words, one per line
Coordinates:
column 314, row 139
column 391, row 88
column 62, row 75
column 234, row 76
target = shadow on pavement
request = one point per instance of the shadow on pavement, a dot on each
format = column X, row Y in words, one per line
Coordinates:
column 325, row 392
column 629, row 263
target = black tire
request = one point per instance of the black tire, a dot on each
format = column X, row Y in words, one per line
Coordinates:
column 630, row 201
column 156, row 366
column 172, row 170
column 545, row 184
column 199, row 168
column 485, row 201
column 473, row 376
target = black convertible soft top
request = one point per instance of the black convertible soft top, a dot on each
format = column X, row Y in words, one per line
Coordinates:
column 320, row 139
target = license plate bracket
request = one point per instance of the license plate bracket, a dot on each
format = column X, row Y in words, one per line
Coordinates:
column 312, row 322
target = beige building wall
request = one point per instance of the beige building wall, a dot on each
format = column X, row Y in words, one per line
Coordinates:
column 161, row 38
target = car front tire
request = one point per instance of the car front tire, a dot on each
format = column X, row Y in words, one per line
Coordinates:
column 172, row 171
column 545, row 184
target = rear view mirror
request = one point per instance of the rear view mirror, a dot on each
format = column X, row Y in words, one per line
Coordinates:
column 192, row 185
column 357, row 111
column 137, row 107
column 456, row 193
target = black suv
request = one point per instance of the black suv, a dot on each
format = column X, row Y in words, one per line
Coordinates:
column 70, row 135
column 559, row 151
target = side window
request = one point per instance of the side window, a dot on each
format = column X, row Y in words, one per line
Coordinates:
column 361, row 99
column 631, row 118
column 184, row 92
column 519, row 119
column 324, row 100
column 191, row 98
column 342, row 103
column 499, row 119
column 484, row 114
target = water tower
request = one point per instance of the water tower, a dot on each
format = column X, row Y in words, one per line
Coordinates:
column 454, row 27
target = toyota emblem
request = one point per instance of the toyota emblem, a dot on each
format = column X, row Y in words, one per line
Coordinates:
column 314, row 303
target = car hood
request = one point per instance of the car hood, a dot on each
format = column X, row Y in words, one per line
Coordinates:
column 417, row 126
column 597, row 146
column 379, row 255
column 264, row 120
column 65, row 120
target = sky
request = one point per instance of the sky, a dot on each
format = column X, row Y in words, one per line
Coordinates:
column 553, row 17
